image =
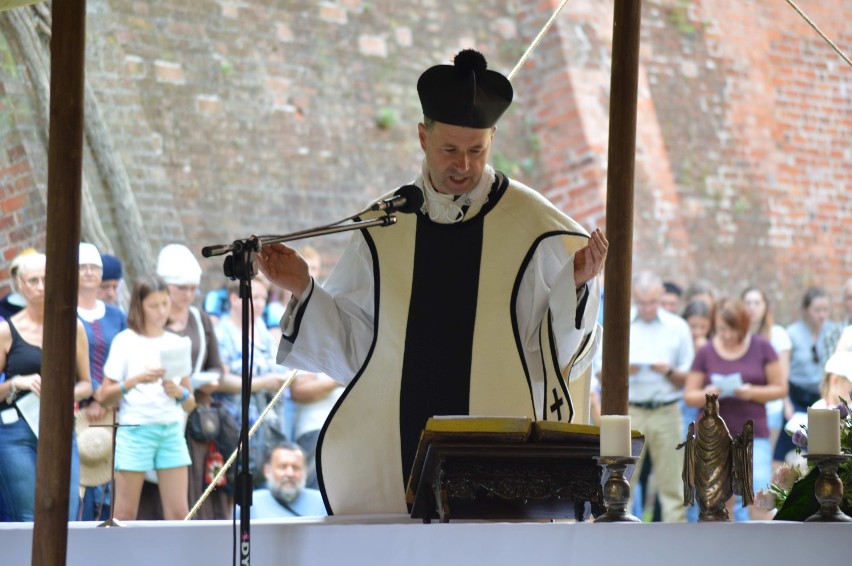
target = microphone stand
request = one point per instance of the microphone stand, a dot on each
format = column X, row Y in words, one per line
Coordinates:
column 242, row 265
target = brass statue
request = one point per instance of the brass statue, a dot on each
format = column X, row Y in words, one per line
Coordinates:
column 716, row 466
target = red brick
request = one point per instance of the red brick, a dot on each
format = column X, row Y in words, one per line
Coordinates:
column 10, row 205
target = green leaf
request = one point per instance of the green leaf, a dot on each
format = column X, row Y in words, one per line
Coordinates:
column 801, row 502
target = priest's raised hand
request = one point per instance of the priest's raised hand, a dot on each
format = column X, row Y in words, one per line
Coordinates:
column 284, row 267
column 589, row 261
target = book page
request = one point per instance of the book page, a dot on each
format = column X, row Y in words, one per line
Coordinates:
column 727, row 384
column 177, row 360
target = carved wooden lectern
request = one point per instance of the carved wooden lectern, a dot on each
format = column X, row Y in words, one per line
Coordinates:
column 507, row 468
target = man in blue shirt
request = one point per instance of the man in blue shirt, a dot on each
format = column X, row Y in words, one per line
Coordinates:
column 285, row 494
column 661, row 353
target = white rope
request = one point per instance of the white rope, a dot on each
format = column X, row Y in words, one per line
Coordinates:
column 536, row 41
column 230, row 461
column 819, row 31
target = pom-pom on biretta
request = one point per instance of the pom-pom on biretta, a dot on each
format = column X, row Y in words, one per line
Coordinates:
column 471, row 60
column 466, row 93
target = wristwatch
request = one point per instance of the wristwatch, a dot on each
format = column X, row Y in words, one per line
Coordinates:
column 13, row 392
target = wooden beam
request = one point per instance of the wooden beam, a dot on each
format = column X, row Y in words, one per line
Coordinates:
column 619, row 205
column 64, row 178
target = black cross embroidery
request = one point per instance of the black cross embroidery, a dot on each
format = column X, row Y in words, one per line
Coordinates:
column 556, row 407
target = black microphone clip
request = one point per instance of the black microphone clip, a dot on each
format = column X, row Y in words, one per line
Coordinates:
column 406, row 199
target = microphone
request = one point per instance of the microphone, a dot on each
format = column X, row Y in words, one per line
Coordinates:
column 406, row 199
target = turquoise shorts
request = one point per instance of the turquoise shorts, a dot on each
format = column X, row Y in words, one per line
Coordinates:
column 150, row 447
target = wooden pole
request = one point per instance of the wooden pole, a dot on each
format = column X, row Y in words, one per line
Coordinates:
column 64, row 178
column 619, row 205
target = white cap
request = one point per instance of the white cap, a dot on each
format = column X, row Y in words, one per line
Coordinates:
column 89, row 255
column 177, row 266
column 840, row 364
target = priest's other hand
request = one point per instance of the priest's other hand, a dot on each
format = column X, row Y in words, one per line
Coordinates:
column 284, row 267
column 589, row 261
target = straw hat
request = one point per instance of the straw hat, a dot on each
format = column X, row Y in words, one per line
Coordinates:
column 94, row 443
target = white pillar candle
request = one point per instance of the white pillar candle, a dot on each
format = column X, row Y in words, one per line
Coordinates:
column 615, row 435
column 823, row 431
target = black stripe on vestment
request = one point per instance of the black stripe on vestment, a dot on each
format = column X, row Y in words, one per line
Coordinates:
column 553, row 400
column 519, row 341
column 439, row 336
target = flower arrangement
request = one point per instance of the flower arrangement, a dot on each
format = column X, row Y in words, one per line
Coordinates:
column 792, row 489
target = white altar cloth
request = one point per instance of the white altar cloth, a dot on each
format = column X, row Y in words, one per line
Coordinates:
column 397, row 540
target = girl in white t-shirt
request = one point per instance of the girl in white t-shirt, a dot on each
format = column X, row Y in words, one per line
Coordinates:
column 147, row 370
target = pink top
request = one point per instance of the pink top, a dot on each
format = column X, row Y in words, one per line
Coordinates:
column 752, row 367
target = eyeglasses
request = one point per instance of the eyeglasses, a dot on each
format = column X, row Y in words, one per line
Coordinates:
column 34, row 281
column 815, row 354
column 90, row 267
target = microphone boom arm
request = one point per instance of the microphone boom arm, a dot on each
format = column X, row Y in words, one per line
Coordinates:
column 386, row 220
column 210, row 251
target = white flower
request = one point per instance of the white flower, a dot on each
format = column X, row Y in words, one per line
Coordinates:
column 765, row 500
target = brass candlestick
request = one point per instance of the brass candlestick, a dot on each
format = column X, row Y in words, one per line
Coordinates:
column 829, row 489
column 616, row 490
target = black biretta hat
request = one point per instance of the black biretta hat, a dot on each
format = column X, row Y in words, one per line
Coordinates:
column 466, row 93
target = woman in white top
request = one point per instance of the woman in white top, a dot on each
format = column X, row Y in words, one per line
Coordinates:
column 153, row 404
column 762, row 323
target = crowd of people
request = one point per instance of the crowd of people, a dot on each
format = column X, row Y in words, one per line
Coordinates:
column 483, row 300
column 687, row 343
column 167, row 375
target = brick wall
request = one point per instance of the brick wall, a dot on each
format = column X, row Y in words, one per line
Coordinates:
column 235, row 118
column 22, row 206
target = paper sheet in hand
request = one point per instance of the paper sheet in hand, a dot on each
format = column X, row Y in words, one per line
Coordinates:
column 30, row 407
column 727, row 384
column 203, row 378
column 177, row 360
column 643, row 358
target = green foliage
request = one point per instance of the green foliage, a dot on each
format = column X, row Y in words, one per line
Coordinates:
column 387, row 118
column 7, row 61
column 800, row 502
column 678, row 16
column 511, row 167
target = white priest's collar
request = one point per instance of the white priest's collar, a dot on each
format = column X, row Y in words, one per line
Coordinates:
column 445, row 209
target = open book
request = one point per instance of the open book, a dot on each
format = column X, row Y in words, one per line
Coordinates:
column 470, row 429
column 510, row 429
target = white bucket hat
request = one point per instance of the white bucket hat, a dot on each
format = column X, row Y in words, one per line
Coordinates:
column 89, row 255
column 177, row 266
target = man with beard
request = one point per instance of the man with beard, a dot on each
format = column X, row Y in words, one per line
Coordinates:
column 285, row 494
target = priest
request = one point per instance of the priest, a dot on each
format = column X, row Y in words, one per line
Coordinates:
column 482, row 302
